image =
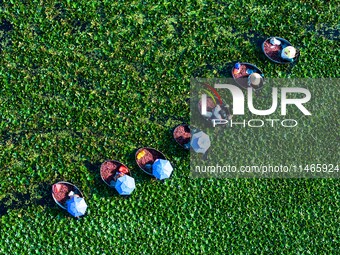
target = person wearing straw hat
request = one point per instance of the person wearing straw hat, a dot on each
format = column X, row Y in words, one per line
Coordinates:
column 76, row 205
column 120, row 173
column 288, row 53
column 72, row 194
column 254, row 80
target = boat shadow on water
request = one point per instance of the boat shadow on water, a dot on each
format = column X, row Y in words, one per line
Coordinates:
column 19, row 200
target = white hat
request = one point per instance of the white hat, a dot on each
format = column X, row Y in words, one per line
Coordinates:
column 216, row 112
column 275, row 41
column 288, row 52
column 255, row 79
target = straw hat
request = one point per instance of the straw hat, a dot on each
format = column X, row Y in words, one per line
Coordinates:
column 255, row 79
column 288, row 52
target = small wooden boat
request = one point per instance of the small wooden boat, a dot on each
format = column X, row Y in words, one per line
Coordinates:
column 147, row 156
column 182, row 135
column 273, row 52
column 61, row 190
column 110, row 168
column 216, row 108
column 241, row 75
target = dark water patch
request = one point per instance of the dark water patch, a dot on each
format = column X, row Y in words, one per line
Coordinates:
column 5, row 25
column 80, row 26
column 13, row 138
column 61, row 12
column 37, row 31
column 101, row 11
column 325, row 31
